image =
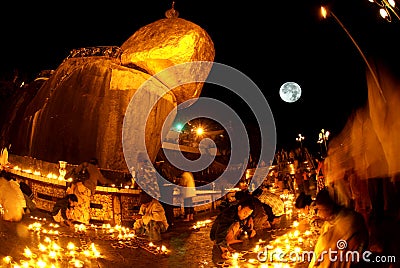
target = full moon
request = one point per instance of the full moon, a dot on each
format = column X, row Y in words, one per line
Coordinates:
column 290, row 92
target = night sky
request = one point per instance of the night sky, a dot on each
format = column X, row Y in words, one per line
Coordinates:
column 272, row 42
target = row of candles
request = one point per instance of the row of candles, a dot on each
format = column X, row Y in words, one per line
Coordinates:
column 49, row 252
column 56, row 178
column 287, row 250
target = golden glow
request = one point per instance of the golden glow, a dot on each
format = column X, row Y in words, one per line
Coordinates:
column 7, row 259
column 324, row 12
column 199, row 131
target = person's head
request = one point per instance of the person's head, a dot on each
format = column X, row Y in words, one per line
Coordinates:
column 325, row 205
column 145, row 198
column 187, row 175
column 245, row 208
column 94, row 161
column 303, row 202
column 241, row 195
column 257, row 192
column 72, row 200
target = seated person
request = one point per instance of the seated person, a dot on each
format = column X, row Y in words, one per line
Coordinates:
column 153, row 221
column 274, row 201
column 86, row 177
column 272, row 218
column 308, row 216
column 11, row 199
column 259, row 218
column 230, row 224
column 63, row 209
column 344, row 230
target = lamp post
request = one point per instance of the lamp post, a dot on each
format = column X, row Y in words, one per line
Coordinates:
column 300, row 139
column 325, row 13
column 199, row 131
column 385, row 7
column 322, row 138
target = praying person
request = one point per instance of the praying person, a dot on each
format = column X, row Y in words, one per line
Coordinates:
column 153, row 220
column 230, row 224
column 88, row 176
column 344, row 231
column 63, row 209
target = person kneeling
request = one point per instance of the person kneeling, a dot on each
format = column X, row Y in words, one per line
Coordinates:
column 63, row 209
column 153, row 220
column 231, row 224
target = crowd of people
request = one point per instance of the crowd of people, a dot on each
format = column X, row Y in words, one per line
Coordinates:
column 17, row 198
column 249, row 213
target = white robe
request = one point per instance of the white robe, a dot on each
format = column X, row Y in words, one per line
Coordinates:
column 12, row 200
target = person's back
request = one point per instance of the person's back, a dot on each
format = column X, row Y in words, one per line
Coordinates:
column 95, row 175
column 274, row 201
column 12, row 200
column 60, row 211
column 260, row 216
column 86, row 177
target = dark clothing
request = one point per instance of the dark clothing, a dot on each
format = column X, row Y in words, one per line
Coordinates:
column 188, row 204
column 28, row 195
column 62, row 204
column 268, row 210
column 260, row 216
column 93, row 179
column 26, row 189
column 223, row 222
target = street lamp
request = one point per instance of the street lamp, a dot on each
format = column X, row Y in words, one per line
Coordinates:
column 323, row 137
column 199, row 131
column 385, row 6
column 300, row 139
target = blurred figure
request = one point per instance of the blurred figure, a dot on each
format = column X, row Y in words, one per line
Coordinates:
column 320, row 173
column 306, row 182
column 299, row 180
column 343, row 231
column 188, row 192
column 12, row 199
column 153, row 221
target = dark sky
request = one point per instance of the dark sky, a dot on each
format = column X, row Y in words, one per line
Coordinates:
column 270, row 42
